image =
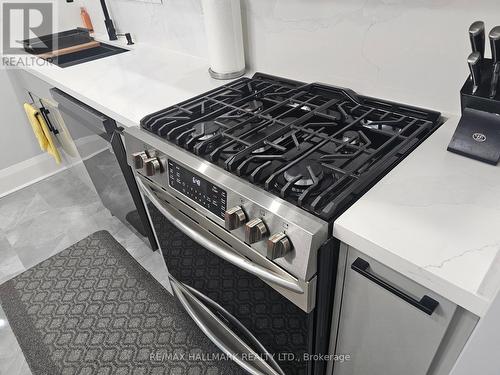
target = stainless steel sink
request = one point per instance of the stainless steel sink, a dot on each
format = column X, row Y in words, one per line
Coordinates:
column 86, row 55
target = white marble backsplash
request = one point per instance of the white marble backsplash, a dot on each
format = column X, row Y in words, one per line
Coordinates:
column 410, row 51
column 174, row 24
column 407, row 50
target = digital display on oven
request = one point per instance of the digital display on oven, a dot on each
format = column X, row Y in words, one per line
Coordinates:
column 197, row 189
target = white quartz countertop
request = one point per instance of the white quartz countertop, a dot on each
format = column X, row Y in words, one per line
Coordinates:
column 131, row 85
column 435, row 218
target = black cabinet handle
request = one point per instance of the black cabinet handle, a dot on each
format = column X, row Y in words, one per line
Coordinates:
column 426, row 304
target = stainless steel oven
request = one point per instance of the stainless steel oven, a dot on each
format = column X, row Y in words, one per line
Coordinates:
column 225, row 291
column 244, row 183
column 257, row 309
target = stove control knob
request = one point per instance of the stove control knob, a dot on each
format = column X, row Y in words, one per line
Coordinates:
column 152, row 166
column 235, row 217
column 138, row 159
column 255, row 231
column 278, row 245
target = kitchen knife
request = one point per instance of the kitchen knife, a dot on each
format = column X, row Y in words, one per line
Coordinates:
column 473, row 60
column 495, row 44
column 494, row 81
column 495, row 55
column 477, row 38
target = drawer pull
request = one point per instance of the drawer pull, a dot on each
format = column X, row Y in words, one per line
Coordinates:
column 426, row 304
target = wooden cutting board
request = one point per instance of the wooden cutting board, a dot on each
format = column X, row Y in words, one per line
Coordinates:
column 65, row 51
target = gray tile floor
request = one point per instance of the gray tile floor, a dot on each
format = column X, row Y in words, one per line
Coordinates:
column 45, row 218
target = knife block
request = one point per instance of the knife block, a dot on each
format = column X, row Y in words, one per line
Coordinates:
column 478, row 132
column 480, row 100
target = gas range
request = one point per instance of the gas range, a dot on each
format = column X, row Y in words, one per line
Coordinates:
column 313, row 145
column 273, row 161
column 252, row 175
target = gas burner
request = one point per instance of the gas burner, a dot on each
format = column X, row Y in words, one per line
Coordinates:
column 307, row 171
column 351, row 136
column 206, row 130
column 253, row 106
column 377, row 125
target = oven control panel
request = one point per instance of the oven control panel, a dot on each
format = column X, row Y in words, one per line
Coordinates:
column 197, row 189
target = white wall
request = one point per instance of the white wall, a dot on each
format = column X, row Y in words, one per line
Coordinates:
column 17, row 142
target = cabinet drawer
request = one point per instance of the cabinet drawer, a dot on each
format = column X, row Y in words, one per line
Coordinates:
column 386, row 326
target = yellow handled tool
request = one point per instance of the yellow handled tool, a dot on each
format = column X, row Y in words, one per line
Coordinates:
column 42, row 131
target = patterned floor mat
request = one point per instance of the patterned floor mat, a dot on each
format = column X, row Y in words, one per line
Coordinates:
column 92, row 309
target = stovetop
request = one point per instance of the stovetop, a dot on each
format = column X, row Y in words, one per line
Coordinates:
column 317, row 146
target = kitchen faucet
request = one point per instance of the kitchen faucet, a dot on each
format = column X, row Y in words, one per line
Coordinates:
column 108, row 22
column 110, row 28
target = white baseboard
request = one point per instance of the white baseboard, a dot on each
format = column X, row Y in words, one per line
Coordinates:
column 28, row 172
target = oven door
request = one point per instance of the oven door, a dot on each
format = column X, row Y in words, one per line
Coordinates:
column 229, row 295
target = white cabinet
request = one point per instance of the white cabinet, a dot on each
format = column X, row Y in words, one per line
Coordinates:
column 389, row 325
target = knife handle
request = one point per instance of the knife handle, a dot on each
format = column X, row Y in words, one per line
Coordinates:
column 477, row 38
column 494, row 81
column 473, row 60
column 495, row 44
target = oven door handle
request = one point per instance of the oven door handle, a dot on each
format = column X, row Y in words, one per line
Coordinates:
column 233, row 320
column 219, row 333
column 228, row 255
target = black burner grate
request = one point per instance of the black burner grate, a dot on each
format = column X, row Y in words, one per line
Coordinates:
column 315, row 145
